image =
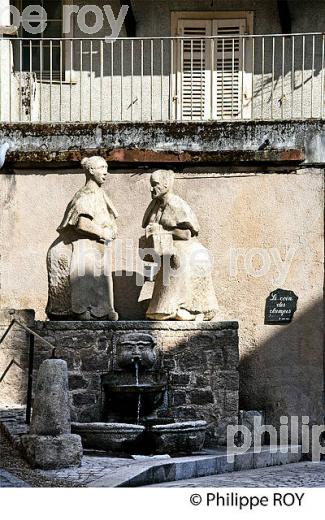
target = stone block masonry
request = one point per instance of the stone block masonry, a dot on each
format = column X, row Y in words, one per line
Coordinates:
column 200, row 361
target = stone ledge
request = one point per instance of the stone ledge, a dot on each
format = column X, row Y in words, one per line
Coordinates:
column 137, row 325
column 155, row 472
column 125, row 157
column 65, row 140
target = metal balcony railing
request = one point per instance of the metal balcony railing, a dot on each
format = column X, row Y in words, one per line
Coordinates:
column 223, row 78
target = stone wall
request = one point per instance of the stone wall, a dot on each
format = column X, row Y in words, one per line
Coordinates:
column 200, row 361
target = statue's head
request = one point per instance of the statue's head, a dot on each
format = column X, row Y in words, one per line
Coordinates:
column 162, row 182
column 136, row 348
column 95, row 168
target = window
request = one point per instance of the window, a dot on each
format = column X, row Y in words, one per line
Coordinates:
column 43, row 56
column 212, row 74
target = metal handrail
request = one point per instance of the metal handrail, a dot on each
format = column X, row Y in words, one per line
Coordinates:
column 32, row 335
column 27, row 330
column 127, row 38
column 227, row 77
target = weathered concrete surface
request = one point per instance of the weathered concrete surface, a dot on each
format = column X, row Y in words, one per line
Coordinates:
column 240, row 141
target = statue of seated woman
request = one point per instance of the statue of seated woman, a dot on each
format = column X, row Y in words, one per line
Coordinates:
column 183, row 288
column 78, row 262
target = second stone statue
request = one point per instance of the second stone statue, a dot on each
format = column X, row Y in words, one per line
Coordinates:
column 183, row 288
column 78, row 262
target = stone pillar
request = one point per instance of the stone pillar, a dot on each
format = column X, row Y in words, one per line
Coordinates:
column 50, row 444
column 51, row 412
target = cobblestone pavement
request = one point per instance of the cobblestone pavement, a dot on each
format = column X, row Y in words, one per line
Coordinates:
column 91, row 469
column 301, row 474
column 9, row 480
column 96, row 466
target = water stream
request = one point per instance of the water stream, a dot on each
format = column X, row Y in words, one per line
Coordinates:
column 136, row 366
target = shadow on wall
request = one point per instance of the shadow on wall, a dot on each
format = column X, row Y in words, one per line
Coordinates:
column 126, row 296
column 14, row 355
column 285, row 375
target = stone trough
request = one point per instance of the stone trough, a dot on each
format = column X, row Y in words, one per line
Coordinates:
column 113, row 438
column 125, row 439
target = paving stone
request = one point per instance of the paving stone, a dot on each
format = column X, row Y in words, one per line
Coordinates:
column 301, row 474
column 9, row 480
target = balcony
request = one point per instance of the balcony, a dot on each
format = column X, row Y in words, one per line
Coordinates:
column 225, row 79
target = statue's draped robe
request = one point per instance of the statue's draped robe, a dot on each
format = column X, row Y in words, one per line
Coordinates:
column 189, row 286
column 79, row 268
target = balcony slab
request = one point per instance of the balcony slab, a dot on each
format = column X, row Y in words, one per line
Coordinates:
column 251, row 142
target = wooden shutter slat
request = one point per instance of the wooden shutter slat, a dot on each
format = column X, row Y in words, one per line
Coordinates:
column 194, row 77
column 227, row 72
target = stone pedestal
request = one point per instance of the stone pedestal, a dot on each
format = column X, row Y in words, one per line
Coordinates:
column 200, row 361
column 52, row 452
column 50, row 443
column 51, row 412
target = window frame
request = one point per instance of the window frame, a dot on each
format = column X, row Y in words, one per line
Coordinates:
column 67, row 75
column 176, row 108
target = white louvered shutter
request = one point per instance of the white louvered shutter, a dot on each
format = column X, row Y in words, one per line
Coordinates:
column 194, row 70
column 229, row 80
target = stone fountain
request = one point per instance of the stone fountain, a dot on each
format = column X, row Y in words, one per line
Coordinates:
column 167, row 384
column 136, row 392
column 136, row 385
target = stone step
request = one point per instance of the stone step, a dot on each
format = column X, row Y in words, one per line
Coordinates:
column 12, row 423
column 210, row 462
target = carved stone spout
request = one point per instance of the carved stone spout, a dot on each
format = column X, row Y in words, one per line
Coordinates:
column 136, row 348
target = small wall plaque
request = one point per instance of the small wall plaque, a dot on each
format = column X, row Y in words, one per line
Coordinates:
column 280, row 306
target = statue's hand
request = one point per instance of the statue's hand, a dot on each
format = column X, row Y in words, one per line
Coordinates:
column 107, row 234
column 153, row 229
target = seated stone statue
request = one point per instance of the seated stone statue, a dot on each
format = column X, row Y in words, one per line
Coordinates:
column 78, row 262
column 183, row 288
